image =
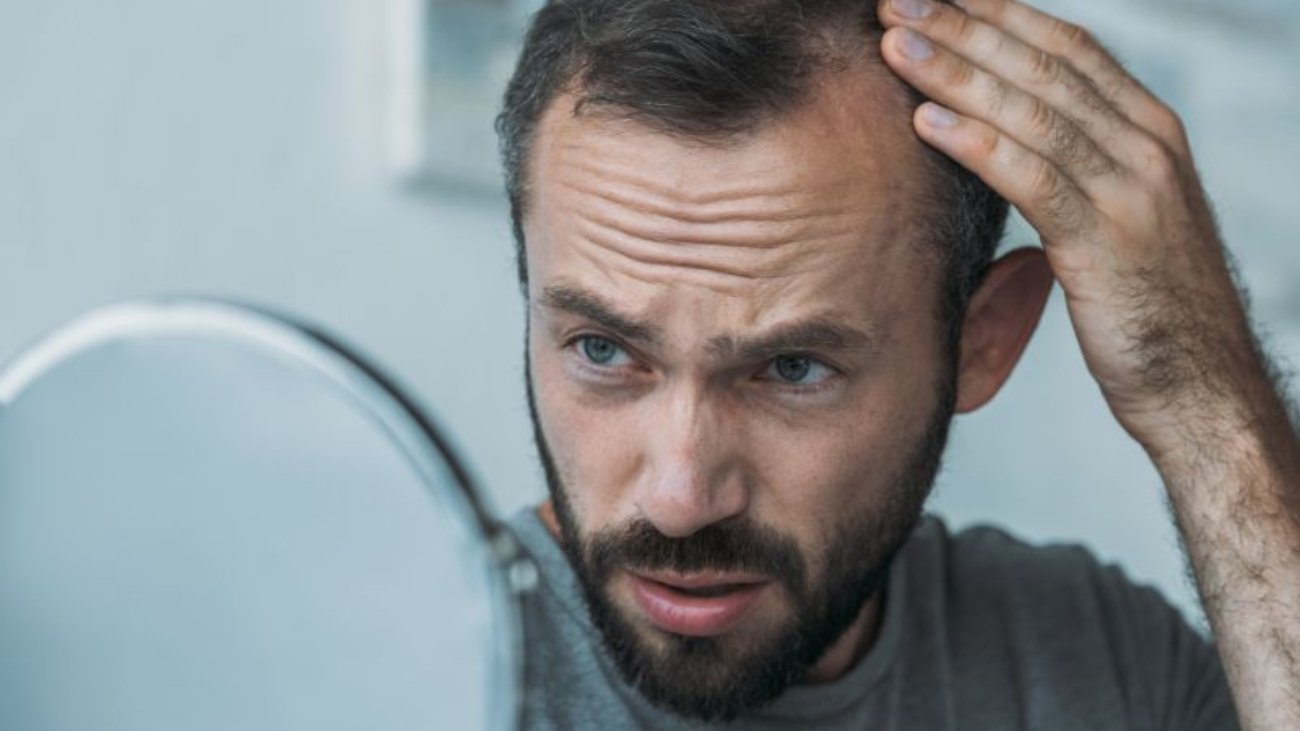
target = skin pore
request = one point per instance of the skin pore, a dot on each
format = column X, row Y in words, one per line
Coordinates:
column 747, row 333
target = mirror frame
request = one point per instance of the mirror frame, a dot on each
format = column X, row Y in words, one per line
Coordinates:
column 357, row 380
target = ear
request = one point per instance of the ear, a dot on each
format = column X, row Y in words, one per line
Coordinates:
column 1002, row 315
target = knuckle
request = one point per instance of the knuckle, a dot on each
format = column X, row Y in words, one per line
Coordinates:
column 964, row 29
column 958, row 73
column 994, row 94
column 1065, row 148
column 1110, row 85
column 1146, row 148
column 1065, row 144
column 1045, row 182
column 1090, row 94
column 1042, row 120
column 1053, row 201
column 1168, row 123
column 1074, row 90
column 1043, row 68
column 1157, row 163
column 987, row 145
column 1061, row 204
column 997, row 41
column 993, row 9
column 1098, row 164
column 1073, row 37
column 1079, row 37
column 1054, row 196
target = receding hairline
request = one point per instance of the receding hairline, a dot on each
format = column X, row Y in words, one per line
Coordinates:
column 889, row 95
column 681, row 55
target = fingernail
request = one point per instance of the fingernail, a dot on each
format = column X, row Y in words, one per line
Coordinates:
column 915, row 46
column 937, row 116
column 915, row 9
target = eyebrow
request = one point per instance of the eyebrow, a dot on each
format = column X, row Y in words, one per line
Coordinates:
column 580, row 302
column 822, row 332
column 818, row 333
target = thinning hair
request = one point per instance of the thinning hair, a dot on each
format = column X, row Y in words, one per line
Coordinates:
column 714, row 70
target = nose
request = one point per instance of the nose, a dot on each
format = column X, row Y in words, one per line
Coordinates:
column 693, row 476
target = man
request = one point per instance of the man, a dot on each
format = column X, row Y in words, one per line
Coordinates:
column 760, row 283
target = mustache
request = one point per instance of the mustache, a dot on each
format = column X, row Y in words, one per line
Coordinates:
column 739, row 546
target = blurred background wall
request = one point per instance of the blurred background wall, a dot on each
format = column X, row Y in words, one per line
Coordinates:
column 250, row 150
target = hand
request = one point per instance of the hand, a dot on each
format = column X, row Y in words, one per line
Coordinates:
column 1102, row 169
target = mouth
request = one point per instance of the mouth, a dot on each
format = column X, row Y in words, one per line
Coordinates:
column 696, row 605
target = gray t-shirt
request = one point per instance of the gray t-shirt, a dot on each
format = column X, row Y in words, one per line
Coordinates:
column 979, row 631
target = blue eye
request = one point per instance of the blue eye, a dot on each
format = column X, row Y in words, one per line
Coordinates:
column 600, row 351
column 799, row 370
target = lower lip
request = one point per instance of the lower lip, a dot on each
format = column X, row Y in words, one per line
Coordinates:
column 693, row 616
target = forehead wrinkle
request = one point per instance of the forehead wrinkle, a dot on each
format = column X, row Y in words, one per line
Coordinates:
column 783, row 164
column 619, row 272
column 751, row 233
column 654, row 276
column 742, row 206
column 673, row 261
column 764, row 191
column 759, row 245
column 754, row 223
column 780, row 261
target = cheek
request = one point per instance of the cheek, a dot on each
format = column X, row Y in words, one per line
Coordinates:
column 592, row 448
column 845, row 465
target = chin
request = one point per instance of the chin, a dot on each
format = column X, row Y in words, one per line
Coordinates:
column 712, row 679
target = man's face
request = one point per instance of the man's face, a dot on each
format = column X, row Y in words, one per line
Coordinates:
column 739, row 382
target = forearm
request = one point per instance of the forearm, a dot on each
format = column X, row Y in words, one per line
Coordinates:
column 1103, row 171
column 1234, row 482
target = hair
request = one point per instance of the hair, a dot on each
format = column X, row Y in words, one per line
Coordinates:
column 713, row 70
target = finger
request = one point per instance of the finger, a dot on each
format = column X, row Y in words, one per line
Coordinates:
column 1056, row 207
column 1031, row 69
column 1077, row 46
column 959, row 85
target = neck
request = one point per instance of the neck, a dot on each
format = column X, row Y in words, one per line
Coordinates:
column 852, row 645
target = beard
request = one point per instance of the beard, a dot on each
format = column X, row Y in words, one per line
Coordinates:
column 718, row 678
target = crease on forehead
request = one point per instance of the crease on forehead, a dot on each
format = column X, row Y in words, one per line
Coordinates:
column 745, row 200
column 751, row 213
column 766, row 206
column 724, row 303
column 779, row 172
column 743, row 252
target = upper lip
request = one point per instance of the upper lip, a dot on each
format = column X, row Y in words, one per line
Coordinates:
column 702, row 580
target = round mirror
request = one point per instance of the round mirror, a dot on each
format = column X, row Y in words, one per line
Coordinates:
column 213, row 518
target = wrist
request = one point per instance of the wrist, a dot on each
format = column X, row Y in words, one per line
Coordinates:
column 1192, row 399
column 1216, row 437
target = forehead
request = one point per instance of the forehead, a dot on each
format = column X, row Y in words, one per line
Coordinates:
column 817, row 210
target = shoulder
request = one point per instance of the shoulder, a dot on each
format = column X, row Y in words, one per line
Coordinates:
column 987, row 565
column 1073, row 631
column 1057, row 596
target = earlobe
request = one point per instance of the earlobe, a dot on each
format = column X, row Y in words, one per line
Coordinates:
column 1002, row 315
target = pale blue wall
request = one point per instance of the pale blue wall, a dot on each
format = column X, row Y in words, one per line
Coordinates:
column 238, row 148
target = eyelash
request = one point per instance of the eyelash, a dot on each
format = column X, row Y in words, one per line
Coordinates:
column 827, row 382
column 574, row 346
